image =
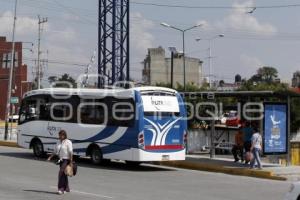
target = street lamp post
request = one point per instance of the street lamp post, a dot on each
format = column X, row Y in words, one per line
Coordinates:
column 8, row 103
column 210, row 40
column 183, row 31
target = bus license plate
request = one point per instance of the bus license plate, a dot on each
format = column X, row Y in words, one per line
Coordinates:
column 165, row 158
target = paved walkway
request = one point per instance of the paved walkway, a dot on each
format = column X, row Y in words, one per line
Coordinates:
column 291, row 172
column 224, row 161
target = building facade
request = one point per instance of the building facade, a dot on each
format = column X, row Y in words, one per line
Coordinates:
column 157, row 68
column 20, row 83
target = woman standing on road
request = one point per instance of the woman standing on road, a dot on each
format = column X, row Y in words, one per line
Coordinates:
column 64, row 150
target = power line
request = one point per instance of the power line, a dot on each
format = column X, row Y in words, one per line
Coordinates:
column 58, row 62
column 214, row 7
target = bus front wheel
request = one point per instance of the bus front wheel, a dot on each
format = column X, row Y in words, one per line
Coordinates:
column 38, row 149
column 96, row 155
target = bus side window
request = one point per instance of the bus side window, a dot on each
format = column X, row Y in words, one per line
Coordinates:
column 28, row 111
column 22, row 112
column 122, row 112
column 93, row 112
column 62, row 110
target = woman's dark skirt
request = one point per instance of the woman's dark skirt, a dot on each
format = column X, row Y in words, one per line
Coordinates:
column 63, row 182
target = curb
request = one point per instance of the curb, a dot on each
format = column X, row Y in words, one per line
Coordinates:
column 2, row 125
column 263, row 174
column 9, row 144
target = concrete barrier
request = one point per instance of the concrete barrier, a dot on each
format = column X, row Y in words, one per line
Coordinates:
column 9, row 144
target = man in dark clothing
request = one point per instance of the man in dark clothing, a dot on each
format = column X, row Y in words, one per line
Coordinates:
column 237, row 149
column 247, row 135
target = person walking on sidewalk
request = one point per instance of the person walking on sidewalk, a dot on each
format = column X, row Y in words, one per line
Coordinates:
column 64, row 151
column 256, row 148
column 237, row 150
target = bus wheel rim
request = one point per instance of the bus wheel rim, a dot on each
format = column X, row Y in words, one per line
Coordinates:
column 38, row 148
column 96, row 155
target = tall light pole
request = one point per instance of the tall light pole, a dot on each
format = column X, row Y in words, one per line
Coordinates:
column 41, row 21
column 8, row 103
column 210, row 40
column 183, row 31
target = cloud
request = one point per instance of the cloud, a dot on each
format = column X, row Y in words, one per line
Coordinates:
column 141, row 40
column 67, row 35
column 25, row 26
column 250, row 64
column 239, row 20
column 205, row 24
column 70, row 17
column 61, row 44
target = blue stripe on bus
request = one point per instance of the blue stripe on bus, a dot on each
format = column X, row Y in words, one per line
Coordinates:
column 105, row 133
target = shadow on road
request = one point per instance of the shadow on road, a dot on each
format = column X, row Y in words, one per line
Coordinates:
column 85, row 162
column 40, row 192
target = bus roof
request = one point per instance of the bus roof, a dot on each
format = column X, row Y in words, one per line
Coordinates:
column 97, row 92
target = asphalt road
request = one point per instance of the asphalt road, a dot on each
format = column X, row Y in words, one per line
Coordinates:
column 23, row 177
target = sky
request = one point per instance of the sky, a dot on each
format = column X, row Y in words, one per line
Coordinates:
column 267, row 37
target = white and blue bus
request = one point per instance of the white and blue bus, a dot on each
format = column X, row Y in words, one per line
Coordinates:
column 135, row 125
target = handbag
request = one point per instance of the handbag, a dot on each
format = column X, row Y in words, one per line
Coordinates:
column 71, row 169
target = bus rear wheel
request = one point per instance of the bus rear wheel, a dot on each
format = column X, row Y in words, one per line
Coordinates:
column 96, row 155
column 38, row 148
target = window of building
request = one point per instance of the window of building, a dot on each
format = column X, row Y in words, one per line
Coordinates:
column 6, row 60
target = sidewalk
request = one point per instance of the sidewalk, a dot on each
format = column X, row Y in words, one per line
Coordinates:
column 227, row 166
column 12, row 139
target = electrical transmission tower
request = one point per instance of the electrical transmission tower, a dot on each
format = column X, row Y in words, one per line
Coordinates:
column 113, row 44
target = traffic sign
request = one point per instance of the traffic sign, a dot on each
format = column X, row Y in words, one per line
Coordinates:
column 14, row 100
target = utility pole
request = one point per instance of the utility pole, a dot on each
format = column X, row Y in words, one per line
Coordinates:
column 38, row 73
column 8, row 103
column 210, row 57
column 210, row 65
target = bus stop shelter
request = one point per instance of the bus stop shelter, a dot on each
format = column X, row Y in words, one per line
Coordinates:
column 281, row 97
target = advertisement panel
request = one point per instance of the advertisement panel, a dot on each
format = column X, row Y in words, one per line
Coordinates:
column 275, row 128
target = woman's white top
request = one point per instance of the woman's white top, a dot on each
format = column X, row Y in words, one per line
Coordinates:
column 256, row 140
column 64, row 149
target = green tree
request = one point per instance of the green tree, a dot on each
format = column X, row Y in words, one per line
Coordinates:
column 221, row 83
column 265, row 74
column 65, row 81
column 52, row 79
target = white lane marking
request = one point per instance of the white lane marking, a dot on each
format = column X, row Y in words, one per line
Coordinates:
column 87, row 193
